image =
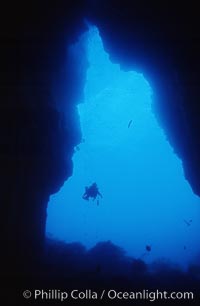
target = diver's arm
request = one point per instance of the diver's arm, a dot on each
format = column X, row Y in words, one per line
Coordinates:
column 100, row 194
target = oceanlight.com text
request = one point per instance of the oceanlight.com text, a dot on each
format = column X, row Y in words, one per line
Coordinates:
column 55, row 294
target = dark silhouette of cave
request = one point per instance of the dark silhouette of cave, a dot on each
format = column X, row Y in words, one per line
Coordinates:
column 40, row 127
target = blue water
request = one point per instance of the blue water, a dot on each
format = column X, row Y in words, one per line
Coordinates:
column 145, row 195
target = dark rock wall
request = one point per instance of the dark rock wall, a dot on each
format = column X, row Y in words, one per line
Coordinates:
column 39, row 123
column 40, row 87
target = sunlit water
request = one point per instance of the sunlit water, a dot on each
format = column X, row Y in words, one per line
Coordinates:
column 145, row 195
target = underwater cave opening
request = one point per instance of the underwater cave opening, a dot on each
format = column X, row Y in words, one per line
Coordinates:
column 146, row 199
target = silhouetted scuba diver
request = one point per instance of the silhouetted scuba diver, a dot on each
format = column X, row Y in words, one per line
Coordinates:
column 92, row 192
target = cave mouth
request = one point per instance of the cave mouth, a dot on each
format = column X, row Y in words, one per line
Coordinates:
column 146, row 199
